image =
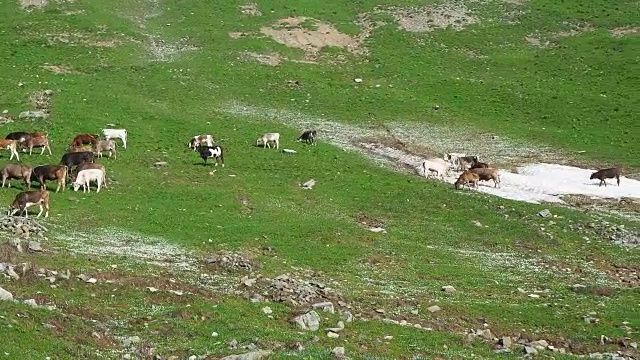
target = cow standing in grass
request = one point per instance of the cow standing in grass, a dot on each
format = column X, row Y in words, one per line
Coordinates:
column 215, row 152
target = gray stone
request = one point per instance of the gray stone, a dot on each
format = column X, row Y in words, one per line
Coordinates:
column 31, row 302
column 539, row 344
column 309, row 184
column 338, row 353
column 37, row 114
column 308, row 321
column 289, row 151
column 434, row 308
column 544, row 213
column 5, row 295
column 347, row 316
column 253, row 355
column 267, row 310
column 448, row 289
column 326, row 306
column 34, row 246
column 485, row 334
column 340, row 327
column 233, row 344
column 506, row 341
column 333, row 335
column 530, row 350
column 160, row 163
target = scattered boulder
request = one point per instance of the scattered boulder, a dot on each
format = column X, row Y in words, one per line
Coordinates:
column 434, row 308
column 333, row 335
column 309, row 321
column 326, row 306
column 5, row 295
column 337, row 329
column 34, row 115
column 544, row 213
column 35, row 246
column 506, row 341
column 267, row 310
column 230, row 262
column 448, row 289
column 530, row 350
column 309, row 184
column 338, row 353
column 132, row 340
column 21, row 226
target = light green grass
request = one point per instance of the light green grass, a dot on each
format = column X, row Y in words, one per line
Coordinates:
column 516, row 91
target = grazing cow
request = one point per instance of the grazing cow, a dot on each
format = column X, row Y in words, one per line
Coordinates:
column 467, row 178
column 26, row 199
column 603, row 174
column 43, row 173
column 82, row 139
column 308, row 137
column 83, row 148
column 85, row 177
column 438, row 166
column 105, row 145
column 88, row 165
column 269, row 137
column 479, row 165
column 37, row 141
column 214, row 152
column 486, row 174
column 200, row 140
column 12, row 146
column 16, row 171
column 72, row 159
column 116, row 134
column 462, row 161
column 18, row 136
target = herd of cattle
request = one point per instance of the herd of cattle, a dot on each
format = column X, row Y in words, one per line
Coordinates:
column 473, row 170
column 78, row 164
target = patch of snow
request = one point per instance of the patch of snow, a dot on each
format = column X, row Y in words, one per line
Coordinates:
column 537, row 182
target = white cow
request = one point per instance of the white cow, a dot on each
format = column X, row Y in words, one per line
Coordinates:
column 200, row 140
column 116, row 134
column 85, row 177
column 438, row 166
column 269, row 137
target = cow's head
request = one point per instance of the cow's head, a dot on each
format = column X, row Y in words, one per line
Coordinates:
column 76, row 186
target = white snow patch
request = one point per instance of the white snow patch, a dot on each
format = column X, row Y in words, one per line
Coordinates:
column 536, row 182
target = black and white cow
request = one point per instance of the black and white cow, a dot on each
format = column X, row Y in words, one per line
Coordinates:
column 214, row 152
column 308, row 136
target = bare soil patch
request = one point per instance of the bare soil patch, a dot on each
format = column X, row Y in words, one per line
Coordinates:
column 251, row 9
column 311, row 36
column 430, row 18
column 60, row 69
column 624, row 31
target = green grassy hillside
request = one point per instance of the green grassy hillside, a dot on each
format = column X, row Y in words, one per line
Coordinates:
column 556, row 75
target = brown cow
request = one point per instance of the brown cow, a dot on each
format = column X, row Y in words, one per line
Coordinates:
column 16, row 171
column 610, row 173
column 26, row 199
column 43, row 173
column 83, row 148
column 37, row 141
column 11, row 145
column 82, row 139
column 467, row 178
column 486, row 174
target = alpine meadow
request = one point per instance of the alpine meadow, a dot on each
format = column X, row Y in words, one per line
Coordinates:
column 442, row 203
